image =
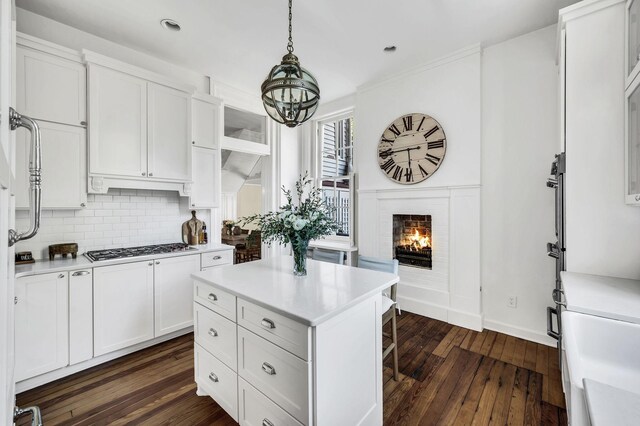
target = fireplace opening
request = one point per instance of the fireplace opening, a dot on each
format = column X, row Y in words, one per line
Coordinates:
column 412, row 240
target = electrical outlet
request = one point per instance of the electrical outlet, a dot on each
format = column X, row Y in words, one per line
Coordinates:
column 512, row 302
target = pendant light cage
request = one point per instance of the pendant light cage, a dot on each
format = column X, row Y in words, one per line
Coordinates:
column 290, row 93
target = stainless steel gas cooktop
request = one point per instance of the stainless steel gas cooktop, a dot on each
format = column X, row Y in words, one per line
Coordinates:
column 119, row 253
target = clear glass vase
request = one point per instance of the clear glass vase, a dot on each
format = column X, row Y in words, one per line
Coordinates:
column 300, row 258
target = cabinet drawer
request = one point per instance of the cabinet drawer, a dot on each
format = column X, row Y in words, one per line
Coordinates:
column 217, row 380
column 215, row 299
column 281, row 376
column 216, row 258
column 284, row 332
column 216, row 334
column 258, row 410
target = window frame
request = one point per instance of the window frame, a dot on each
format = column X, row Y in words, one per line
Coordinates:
column 318, row 149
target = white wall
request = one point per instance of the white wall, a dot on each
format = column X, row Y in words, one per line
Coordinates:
column 249, row 201
column 603, row 233
column 64, row 35
column 519, row 140
column 290, row 149
column 449, row 90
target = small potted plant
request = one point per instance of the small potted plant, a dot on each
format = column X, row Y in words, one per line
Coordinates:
column 299, row 221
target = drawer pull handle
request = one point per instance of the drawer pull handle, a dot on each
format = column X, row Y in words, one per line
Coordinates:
column 61, row 276
column 213, row 378
column 268, row 368
column 80, row 273
column 212, row 297
column 266, row 422
column 213, row 332
column 217, row 257
column 267, row 323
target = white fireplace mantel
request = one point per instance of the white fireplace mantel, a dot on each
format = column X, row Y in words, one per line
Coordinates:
column 450, row 291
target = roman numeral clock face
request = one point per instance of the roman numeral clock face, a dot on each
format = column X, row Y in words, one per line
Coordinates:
column 411, row 148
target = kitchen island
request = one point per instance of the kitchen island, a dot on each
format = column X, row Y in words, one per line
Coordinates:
column 272, row 348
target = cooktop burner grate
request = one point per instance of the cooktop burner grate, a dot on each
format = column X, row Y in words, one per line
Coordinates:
column 119, row 253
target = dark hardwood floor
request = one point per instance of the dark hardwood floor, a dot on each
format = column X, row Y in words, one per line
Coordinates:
column 449, row 376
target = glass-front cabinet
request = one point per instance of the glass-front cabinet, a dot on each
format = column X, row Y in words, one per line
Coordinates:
column 632, row 105
column 633, row 40
column 632, row 148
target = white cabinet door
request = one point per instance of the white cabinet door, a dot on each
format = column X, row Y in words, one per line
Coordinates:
column 50, row 88
column 206, row 122
column 64, row 175
column 117, row 123
column 169, row 133
column 206, row 178
column 80, row 316
column 122, row 306
column 174, row 293
column 41, row 324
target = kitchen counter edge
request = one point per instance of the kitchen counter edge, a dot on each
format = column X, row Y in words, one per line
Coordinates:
column 81, row 262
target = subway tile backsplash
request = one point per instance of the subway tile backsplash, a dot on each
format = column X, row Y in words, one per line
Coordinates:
column 120, row 218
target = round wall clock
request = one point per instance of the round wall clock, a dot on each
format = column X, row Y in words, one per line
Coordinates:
column 411, row 148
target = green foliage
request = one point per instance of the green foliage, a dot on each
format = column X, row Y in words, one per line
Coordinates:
column 302, row 219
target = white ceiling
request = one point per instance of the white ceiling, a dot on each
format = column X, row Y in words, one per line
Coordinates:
column 339, row 41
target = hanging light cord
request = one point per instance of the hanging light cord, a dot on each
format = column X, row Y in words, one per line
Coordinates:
column 290, row 44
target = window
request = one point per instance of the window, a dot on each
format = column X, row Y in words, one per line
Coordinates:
column 335, row 171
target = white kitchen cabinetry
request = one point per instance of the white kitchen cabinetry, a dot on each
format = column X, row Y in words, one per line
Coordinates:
column 206, row 121
column 169, row 127
column 80, row 315
column 117, row 123
column 205, row 191
column 64, row 183
column 50, row 88
column 174, row 293
column 41, row 324
column 123, row 306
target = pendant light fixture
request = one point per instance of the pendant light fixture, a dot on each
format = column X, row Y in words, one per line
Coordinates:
column 290, row 93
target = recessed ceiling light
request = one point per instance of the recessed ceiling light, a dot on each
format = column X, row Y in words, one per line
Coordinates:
column 389, row 49
column 170, row 24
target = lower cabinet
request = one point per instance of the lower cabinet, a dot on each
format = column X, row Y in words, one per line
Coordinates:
column 123, row 306
column 80, row 316
column 41, row 324
column 66, row 318
column 174, row 293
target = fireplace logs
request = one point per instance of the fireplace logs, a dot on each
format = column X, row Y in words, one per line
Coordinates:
column 412, row 240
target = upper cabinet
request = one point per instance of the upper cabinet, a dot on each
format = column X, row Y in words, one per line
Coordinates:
column 64, row 183
column 206, row 112
column 117, row 123
column 139, row 128
column 169, row 127
column 50, row 88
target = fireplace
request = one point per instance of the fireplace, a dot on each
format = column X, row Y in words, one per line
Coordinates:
column 412, row 240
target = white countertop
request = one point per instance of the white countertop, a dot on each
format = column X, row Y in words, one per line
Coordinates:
column 609, row 405
column 81, row 262
column 609, row 297
column 327, row 290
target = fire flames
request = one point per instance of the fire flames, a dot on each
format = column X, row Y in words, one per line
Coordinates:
column 419, row 242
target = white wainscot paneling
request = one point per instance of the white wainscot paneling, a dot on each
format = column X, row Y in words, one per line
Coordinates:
column 450, row 291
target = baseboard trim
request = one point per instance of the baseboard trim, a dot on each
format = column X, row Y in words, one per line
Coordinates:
column 465, row 319
column 441, row 313
column 522, row 333
column 45, row 378
column 423, row 308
